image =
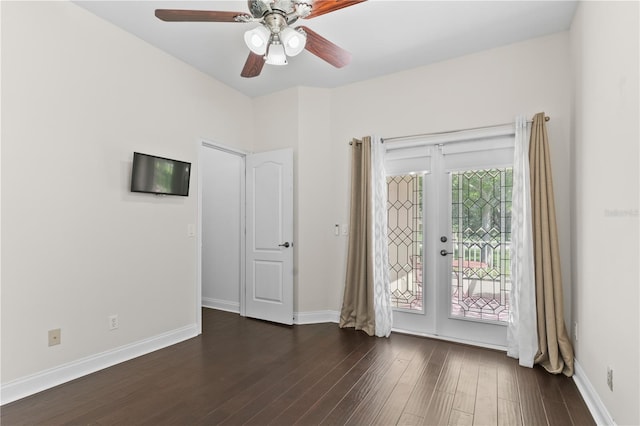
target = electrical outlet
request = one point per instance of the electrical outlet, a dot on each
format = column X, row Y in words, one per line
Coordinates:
column 113, row 322
column 575, row 331
column 610, row 378
column 54, row 337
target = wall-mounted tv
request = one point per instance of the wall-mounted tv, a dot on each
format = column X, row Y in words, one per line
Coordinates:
column 158, row 175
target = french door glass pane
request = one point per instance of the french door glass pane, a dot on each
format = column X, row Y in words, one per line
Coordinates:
column 404, row 231
column 481, row 231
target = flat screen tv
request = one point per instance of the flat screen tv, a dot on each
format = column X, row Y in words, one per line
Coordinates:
column 158, row 175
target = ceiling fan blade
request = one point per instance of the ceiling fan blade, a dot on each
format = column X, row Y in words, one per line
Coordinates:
column 325, row 50
column 253, row 66
column 176, row 15
column 320, row 7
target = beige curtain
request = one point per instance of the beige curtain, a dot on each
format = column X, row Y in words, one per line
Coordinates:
column 357, row 306
column 555, row 352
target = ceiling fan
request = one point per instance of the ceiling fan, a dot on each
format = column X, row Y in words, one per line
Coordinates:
column 274, row 39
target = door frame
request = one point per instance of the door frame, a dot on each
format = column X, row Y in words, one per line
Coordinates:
column 209, row 144
column 436, row 297
column 445, row 321
column 436, row 141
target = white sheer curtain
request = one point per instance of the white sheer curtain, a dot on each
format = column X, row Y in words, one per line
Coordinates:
column 522, row 334
column 382, row 293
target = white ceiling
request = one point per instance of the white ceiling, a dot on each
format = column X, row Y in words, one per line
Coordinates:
column 384, row 36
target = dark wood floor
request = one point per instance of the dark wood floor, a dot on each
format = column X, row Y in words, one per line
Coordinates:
column 243, row 371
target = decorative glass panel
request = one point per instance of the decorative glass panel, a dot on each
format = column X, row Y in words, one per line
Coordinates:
column 481, row 230
column 404, row 230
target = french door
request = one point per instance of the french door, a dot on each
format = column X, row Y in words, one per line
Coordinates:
column 449, row 242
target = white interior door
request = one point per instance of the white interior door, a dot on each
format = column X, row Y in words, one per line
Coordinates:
column 269, row 237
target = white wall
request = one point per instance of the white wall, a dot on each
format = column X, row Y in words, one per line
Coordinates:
column 307, row 113
column 482, row 89
column 79, row 96
column 487, row 88
column 222, row 201
column 315, row 210
column 272, row 134
column 605, row 192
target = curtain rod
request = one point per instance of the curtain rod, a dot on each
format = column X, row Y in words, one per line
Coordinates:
column 453, row 131
column 546, row 118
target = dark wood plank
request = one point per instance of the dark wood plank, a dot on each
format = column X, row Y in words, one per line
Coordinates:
column 486, row 406
column 374, row 361
column 439, row 410
column 370, row 406
column 460, row 418
column 557, row 413
column 507, row 378
column 508, row 413
column 554, row 405
column 215, row 386
column 422, row 392
column 253, row 372
column 530, row 398
column 370, row 390
column 548, row 384
column 310, row 396
column 410, row 420
column 253, row 382
column 448, row 380
column 464, row 399
column 245, row 403
column 392, row 410
column 277, row 398
column 578, row 410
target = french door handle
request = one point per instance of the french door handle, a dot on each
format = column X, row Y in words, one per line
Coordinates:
column 285, row 245
column 443, row 252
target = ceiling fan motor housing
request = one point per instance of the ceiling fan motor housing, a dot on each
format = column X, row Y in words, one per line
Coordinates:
column 275, row 22
column 259, row 8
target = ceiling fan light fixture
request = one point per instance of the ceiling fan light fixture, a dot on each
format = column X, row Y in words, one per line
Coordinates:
column 276, row 55
column 293, row 41
column 257, row 39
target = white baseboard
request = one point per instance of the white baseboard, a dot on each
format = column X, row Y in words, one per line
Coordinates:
column 221, row 305
column 299, row 318
column 29, row 385
column 591, row 398
column 316, row 317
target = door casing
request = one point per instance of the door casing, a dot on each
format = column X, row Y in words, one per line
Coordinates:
column 436, row 219
column 208, row 144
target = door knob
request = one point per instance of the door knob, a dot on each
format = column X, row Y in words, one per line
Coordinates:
column 285, row 245
column 443, row 252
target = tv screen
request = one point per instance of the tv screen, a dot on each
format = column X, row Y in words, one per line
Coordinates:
column 157, row 175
